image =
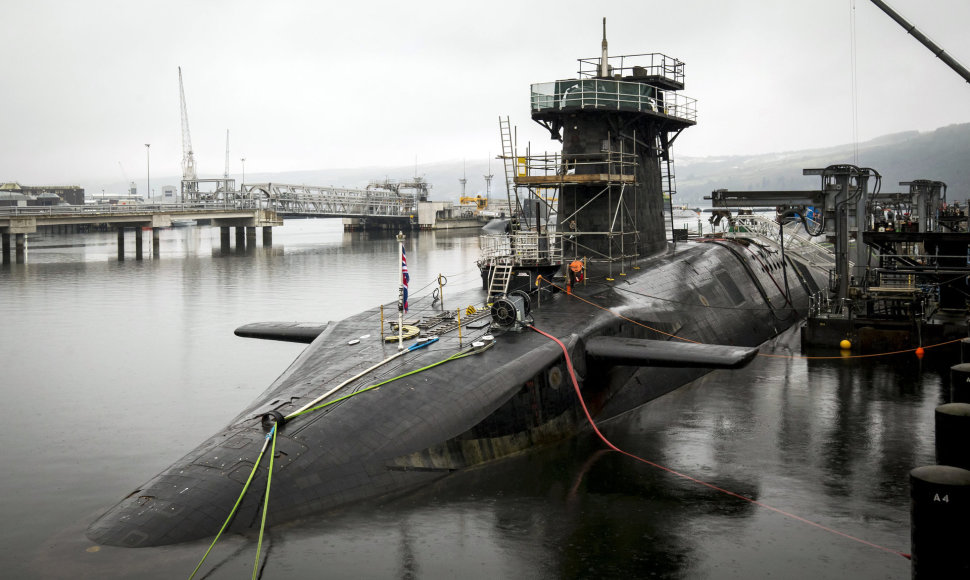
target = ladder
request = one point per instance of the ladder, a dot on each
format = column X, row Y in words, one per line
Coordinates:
column 668, row 183
column 668, row 180
column 501, row 276
column 509, row 161
column 508, row 154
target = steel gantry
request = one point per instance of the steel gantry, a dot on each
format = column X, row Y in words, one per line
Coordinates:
column 308, row 200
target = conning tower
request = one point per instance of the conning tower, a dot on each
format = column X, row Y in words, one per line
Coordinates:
column 616, row 122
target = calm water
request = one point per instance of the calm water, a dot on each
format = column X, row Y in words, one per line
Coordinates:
column 113, row 370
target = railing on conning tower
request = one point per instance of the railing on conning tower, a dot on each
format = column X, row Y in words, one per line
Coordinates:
column 664, row 70
column 645, row 83
column 612, row 95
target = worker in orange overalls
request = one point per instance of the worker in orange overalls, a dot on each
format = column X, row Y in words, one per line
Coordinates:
column 575, row 275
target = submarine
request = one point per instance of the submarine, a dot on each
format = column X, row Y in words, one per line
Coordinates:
column 586, row 311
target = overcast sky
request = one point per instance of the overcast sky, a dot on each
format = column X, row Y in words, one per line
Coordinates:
column 314, row 84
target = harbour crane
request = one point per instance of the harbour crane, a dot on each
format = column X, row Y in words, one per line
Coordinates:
column 132, row 188
column 925, row 41
column 189, row 178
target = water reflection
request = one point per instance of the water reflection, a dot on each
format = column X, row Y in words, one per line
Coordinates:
column 112, row 370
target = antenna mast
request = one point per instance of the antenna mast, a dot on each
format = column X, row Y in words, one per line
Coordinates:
column 604, row 58
column 488, row 181
column 225, row 175
column 463, row 179
column 188, row 159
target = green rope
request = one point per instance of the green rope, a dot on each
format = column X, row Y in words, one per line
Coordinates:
column 391, row 380
column 272, row 434
column 262, row 524
column 238, row 501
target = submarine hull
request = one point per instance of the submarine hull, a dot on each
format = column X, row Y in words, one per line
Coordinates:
column 436, row 413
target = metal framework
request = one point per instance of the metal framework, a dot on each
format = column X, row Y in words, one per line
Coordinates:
column 307, row 200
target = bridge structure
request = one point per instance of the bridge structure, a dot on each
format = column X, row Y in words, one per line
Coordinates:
column 381, row 205
column 18, row 221
column 387, row 204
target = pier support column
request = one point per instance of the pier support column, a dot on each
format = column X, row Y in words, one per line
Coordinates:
column 960, row 383
column 965, row 350
column 267, row 237
column 6, row 248
column 121, row 244
column 224, row 243
column 156, row 249
column 240, row 238
column 139, row 243
column 952, row 423
column 250, row 238
column 20, row 241
column 940, row 508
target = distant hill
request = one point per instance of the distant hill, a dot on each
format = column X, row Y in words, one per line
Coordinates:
column 942, row 154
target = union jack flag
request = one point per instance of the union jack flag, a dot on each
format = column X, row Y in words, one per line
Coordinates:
column 405, row 278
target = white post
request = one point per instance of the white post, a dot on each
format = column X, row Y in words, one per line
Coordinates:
column 400, row 296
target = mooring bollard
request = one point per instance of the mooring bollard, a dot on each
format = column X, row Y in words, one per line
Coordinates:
column 952, row 434
column 965, row 350
column 940, row 506
column 960, row 383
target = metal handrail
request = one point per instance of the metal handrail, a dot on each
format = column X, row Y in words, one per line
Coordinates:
column 796, row 239
column 611, row 95
column 614, row 163
column 524, row 248
column 650, row 64
column 138, row 209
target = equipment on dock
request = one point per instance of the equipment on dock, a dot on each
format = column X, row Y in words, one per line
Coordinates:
column 899, row 273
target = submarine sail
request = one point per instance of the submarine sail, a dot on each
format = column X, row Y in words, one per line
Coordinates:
column 357, row 417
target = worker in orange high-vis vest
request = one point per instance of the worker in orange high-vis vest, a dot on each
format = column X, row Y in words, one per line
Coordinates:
column 575, row 275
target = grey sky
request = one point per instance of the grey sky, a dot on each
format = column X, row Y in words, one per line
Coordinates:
column 313, row 84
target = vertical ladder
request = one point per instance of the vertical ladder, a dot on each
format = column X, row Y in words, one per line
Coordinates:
column 668, row 180
column 509, row 161
column 501, row 276
column 668, row 183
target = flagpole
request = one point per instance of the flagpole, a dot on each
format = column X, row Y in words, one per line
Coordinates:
column 400, row 300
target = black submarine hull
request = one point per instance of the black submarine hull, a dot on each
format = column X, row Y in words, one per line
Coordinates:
column 502, row 400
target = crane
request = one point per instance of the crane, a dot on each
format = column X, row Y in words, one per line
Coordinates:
column 132, row 188
column 932, row 46
column 225, row 175
column 188, row 159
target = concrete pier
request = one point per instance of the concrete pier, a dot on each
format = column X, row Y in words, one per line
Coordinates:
column 224, row 240
column 13, row 222
column 267, row 237
column 139, row 243
column 20, row 251
column 250, row 237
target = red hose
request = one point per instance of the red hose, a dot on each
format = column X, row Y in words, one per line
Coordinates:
column 589, row 418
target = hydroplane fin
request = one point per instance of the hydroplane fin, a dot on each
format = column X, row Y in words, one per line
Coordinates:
column 616, row 350
column 302, row 332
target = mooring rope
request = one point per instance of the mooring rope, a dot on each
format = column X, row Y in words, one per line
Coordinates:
column 271, row 439
column 242, row 494
column 262, row 523
column 608, row 443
